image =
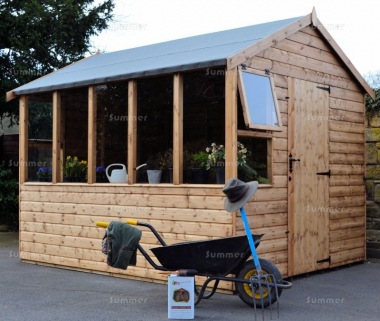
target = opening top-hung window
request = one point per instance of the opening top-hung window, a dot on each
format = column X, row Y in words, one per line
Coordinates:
column 259, row 101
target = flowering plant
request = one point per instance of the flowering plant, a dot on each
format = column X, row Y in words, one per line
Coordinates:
column 100, row 170
column 75, row 168
column 217, row 157
column 101, row 176
column 44, row 172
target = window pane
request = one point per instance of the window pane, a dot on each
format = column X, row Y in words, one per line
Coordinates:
column 256, row 160
column 261, row 107
column 203, row 124
column 75, row 109
column 155, row 128
column 112, row 127
column 40, row 138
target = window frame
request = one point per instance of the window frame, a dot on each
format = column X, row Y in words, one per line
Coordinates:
column 244, row 100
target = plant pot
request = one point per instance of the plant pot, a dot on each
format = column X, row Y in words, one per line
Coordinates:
column 101, row 179
column 170, row 175
column 73, row 179
column 44, row 179
column 154, row 176
column 199, row 176
column 220, row 175
column 187, row 175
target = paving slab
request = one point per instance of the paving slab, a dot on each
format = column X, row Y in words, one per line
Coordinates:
column 38, row 293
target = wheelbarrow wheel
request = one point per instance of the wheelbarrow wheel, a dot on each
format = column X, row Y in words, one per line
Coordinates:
column 245, row 290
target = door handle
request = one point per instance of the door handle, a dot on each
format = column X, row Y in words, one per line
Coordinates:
column 291, row 160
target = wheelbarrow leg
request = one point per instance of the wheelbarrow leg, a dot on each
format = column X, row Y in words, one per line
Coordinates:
column 203, row 289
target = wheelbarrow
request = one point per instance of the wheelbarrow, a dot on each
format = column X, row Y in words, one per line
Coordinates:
column 224, row 259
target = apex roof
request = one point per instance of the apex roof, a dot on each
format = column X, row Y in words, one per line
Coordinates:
column 224, row 48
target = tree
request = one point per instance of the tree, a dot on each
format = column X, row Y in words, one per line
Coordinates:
column 373, row 105
column 38, row 37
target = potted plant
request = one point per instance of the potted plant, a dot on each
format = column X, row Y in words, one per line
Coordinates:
column 155, row 167
column 101, row 176
column 199, row 162
column 75, row 170
column 44, row 174
column 216, row 160
column 166, row 164
column 187, row 164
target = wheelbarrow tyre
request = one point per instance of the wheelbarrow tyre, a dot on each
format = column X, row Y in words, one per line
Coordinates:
column 244, row 290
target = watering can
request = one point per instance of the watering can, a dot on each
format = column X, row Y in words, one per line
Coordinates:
column 119, row 175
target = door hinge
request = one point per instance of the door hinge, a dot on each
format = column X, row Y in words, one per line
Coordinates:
column 325, row 173
column 325, row 260
column 325, row 88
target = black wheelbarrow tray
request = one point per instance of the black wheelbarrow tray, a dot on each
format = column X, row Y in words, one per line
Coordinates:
column 216, row 259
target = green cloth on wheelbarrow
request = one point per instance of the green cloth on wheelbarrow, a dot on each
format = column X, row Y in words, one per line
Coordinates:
column 123, row 240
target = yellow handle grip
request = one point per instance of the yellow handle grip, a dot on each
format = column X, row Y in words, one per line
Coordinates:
column 105, row 224
column 132, row 222
column 102, row 224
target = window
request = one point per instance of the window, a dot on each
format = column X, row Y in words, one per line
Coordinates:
column 258, row 146
column 259, row 101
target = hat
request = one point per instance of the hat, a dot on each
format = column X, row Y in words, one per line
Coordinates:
column 238, row 193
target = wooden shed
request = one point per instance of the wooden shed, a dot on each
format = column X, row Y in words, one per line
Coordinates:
column 284, row 89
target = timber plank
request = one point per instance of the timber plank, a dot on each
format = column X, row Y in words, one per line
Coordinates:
column 310, row 40
column 280, row 168
column 346, row 223
column 270, row 233
column 280, row 144
column 175, row 201
column 344, row 245
column 347, row 116
column 347, row 212
column 274, row 257
column 304, row 62
column 347, row 159
column 231, row 116
column 99, row 212
column 346, row 105
column 342, row 257
column 336, row 191
column 307, row 51
column 280, row 156
column 280, row 181
column 340, row 169
column 346, row 127
column 307, row 74
column 193, row 228
column 342, row 93
column 145, row 189
column 347, row 201
column 344, row 234
column 270, row 194
column 346, row 148
column 264, row 220
column 258, row 208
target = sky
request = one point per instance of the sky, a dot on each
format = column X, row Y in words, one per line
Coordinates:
column 354, row 24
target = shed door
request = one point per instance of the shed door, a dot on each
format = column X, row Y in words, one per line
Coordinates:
column 308, row 141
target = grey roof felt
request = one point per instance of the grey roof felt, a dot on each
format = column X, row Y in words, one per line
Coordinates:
column 201, row 51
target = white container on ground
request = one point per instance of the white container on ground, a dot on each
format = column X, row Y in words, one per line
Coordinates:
column 180, row 297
